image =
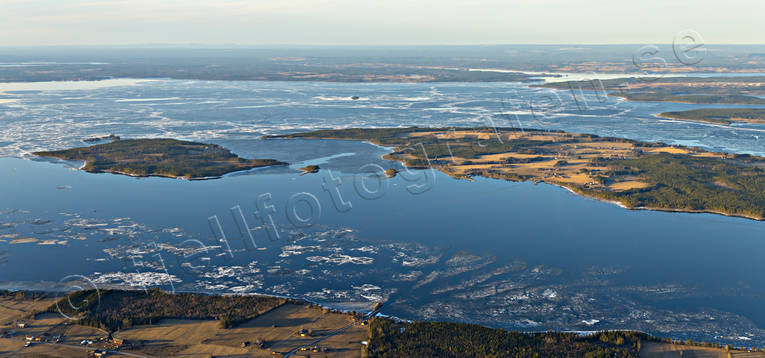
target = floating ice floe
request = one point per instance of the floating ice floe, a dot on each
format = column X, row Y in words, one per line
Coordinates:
column 23, row 240
column 528, row 323
column 410, row 261
column 367, row 249
column 341, row 259
column 291, row 250
column 409, row 276
column 231, row 271
column 367, row 287
column 550, row 293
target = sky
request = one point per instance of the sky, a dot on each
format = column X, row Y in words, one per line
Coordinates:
column 384, row 22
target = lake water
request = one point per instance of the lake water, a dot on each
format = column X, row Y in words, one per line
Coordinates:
column 513, row 255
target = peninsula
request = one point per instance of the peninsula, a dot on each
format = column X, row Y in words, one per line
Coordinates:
column 159, row 157
column 116, row 322
column 720, row 115
column 744, row 90
column 637, row 175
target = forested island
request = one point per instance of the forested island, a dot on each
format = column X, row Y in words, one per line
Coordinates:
column 638, row 175
column 720, row 115
column 159, row 157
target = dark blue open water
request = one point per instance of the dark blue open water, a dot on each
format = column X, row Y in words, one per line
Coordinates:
column 588, row 259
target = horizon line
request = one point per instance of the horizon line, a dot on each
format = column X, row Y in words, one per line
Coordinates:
column 233, row 45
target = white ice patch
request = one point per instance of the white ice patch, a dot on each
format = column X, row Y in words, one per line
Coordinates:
column 367, row 287
column 147, row 99
column 136, row 279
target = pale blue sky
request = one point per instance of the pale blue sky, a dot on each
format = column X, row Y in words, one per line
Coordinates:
column 354, row 22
